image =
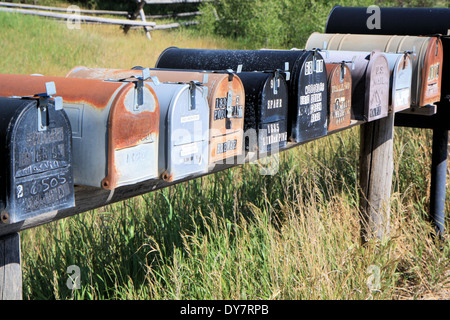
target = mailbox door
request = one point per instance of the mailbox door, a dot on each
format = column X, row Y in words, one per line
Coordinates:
column 339, row 95
column 132, row 137
column 39, row 150
column 307, row 120
column 184, row 144
column 377, row 81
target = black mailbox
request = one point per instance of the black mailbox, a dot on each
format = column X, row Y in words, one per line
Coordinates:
column 266, row 110
column 304, row 71
column 36, row 160
column 397, row 21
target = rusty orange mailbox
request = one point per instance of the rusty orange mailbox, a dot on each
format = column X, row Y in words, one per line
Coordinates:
column 339, row 95
column 115, row 127
column 226, row 97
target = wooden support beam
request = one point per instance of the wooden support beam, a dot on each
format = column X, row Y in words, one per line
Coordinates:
column 376, row 170
column 10, row 268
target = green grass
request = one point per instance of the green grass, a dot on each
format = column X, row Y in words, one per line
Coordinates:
column 236, row 234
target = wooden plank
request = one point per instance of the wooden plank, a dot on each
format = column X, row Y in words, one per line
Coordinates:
column 376, row 170
column 60, row 9
column 81, row 17
column 10, row 268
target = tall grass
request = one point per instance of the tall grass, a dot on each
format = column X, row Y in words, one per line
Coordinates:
column 236, row 234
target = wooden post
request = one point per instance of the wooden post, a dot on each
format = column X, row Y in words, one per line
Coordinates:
column 138, row 12
column 376, row 170
column 10, row 268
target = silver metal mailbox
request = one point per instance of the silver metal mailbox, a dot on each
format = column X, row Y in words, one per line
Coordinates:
column 115, row 127
column 184, row 133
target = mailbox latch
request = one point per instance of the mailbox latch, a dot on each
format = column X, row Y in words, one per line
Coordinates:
column 44, row 99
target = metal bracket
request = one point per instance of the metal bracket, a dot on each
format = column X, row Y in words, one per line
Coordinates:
column 44, row 99
column 229, row 107
column 192, row 89
column 139, row 93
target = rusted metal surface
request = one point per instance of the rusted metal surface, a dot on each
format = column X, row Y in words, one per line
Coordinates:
column 339, row 95
column 426, row 55
column 305, row 68
column 114, row 140
column 370, row 82
column 36, row 161
column 226, row 97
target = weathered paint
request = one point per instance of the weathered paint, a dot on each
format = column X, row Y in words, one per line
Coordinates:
column 427, row 58
column 112, row 139
column 339, row 95
column 36, row 162
column 224, row 90
column 307, row 121
column 370, row 82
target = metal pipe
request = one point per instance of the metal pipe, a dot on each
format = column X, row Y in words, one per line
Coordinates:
column 438, row 178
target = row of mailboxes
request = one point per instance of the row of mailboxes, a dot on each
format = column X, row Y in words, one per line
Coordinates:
column 400, row 22
column 36, row 161
column 195, row 109
column 426, row 54
column 304, row 71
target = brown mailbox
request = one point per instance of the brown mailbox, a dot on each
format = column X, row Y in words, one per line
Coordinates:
column 426, row 55
column 226, row 97
column 339, row 95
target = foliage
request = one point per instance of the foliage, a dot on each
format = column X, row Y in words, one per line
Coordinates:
column 277, row 23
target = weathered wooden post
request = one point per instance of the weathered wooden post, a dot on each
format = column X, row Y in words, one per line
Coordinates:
column 376, row 169
column 10, row 268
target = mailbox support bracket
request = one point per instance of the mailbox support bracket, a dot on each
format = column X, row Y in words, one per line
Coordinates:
column 440, row 125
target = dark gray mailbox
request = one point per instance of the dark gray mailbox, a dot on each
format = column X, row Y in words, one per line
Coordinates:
column 306, row 78
column 36, row 160
column 266, row 110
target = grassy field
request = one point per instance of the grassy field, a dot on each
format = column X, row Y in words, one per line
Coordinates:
column 236, row 234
